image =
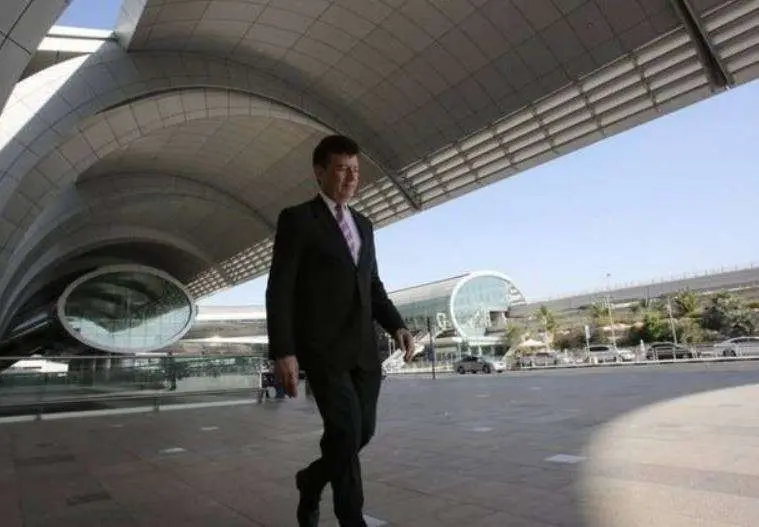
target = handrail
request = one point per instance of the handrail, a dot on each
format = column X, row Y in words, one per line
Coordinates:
column 36, row 409
column 127, row 397
column 141, row 356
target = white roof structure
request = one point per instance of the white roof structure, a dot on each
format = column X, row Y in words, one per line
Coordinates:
column 229, row 313
column 421, row 292
column 446, row 287
column 176, row 140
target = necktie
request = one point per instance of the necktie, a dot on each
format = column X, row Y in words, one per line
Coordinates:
column 342, row 222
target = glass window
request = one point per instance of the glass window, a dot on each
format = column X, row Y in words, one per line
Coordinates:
column 416, row 313
column 127, row 310
column 476, row 299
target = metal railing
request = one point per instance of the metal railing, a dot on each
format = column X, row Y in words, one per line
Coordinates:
column 52, row 385
column 424, row 366
column 704, row 354
column 42, row 385
column 638, row 361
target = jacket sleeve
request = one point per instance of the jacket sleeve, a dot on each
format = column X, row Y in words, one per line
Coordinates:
column 383, row 309
column 280, row 288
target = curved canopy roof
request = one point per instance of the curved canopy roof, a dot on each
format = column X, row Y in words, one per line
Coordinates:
column 428, row 291
column 192, row 125
column 445, row 288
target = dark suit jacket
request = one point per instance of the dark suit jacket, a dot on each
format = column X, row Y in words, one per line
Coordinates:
column 320, row 305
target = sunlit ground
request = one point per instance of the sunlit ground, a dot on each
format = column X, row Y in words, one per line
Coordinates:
column 662, row 446
column 685, row 462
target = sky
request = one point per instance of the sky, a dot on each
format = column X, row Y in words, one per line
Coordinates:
column 673, row 197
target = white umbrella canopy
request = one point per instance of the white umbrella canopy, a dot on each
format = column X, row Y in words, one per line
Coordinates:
column 528, row 346
column 532, row 343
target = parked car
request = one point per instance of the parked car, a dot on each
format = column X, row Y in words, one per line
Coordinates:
column 540, row 358
column 738, row 347
column 600, row 353
column 668, row 351
column 476, row 364
column 566, row 359
column 626, row 355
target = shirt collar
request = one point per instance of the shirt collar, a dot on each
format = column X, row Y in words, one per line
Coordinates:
column 331, row 204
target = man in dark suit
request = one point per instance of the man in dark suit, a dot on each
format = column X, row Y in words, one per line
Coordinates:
column 323, row 294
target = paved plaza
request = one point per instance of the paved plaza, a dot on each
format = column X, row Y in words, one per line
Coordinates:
column 665, row 446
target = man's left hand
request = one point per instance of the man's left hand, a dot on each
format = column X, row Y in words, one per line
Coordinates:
column 405, row 341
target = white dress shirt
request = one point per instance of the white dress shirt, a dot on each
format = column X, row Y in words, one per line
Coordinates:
column 331, row 205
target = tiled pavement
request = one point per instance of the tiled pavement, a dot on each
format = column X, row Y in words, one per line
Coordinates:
column 562, row 448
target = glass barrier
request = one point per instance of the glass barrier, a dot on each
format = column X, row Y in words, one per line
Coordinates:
column 93, row 382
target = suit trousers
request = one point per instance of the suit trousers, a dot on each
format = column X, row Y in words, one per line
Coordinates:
column 347, row 402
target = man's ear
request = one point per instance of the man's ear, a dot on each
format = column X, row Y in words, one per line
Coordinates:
column 318, row 174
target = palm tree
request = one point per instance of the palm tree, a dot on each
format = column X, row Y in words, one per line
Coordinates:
column 597, row 312
column 727, row 314
column 547, row 317
column 514, row 336
column 688, row 303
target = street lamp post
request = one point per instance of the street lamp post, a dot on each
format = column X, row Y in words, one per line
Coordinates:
column 432, row 346
column 611, row 320
column 609, row 307
column 672, row 325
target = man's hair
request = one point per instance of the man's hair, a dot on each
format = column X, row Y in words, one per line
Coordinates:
column 334, row 144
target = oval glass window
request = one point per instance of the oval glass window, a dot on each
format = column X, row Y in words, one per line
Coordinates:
column 126, row 309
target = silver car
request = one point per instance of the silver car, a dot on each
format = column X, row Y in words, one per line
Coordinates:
column 668, row 351
column 540, row 358
column 738, row 347
column 484, row 364
column 600, row 353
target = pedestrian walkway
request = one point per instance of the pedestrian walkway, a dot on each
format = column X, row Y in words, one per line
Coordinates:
column 689, row 462
column 593, row 448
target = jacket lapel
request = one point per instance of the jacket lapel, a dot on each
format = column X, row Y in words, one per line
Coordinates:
column 364, row 233
column 331, row 229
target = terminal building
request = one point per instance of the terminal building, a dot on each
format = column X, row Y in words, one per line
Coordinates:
column 143, row 167
column 226, row 330
column 125, row 309
column 462, row 315
column 465, row 314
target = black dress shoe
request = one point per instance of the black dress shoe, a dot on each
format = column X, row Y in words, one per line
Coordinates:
column 308, row 504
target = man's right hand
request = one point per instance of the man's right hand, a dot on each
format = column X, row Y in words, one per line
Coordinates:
column 287, row 371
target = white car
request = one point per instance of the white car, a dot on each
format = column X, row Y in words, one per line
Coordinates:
column 601, row 353
column 627, row 355
column 540, row 358
column 476, row 364
column 738, row 347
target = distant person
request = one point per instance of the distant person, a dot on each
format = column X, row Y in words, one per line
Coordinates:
column 323, row 294
column 171, row 371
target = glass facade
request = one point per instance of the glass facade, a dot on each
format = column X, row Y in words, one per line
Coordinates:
column 477, row 302
column 126, row 310
column 415, row 314
column 467, row 312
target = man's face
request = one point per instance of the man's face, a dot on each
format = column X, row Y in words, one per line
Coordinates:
column 339, row 180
